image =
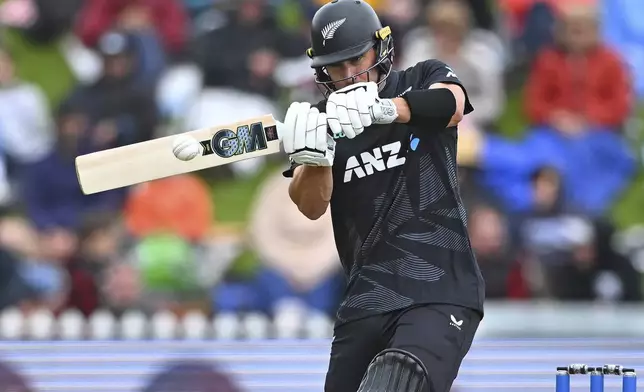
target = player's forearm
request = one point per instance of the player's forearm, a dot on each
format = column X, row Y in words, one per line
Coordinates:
column 440, row 105
column 311, row 190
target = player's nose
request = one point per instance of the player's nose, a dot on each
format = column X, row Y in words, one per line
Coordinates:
column 349, row 71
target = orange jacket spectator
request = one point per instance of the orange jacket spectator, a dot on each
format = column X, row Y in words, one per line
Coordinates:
column 181, row 205
column 596, row 86
column 168, row 17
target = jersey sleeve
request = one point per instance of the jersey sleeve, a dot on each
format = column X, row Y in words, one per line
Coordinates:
column 435, row 71
column 288, row 173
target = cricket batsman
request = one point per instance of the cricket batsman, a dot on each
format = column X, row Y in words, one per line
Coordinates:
column 380, row 150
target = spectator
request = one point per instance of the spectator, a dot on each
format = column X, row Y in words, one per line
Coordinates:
column 36, row 43
column 25, row 126
column 250, row 41
column 100, row 243
column 618, row 279
column 180, row 249
column 121, row 288
column 49, row 187
column 298, row 256
column 482, row 13
column 557, row 239
column 572, row 250
column 44, row 273
column 51, row 20
column 120, row 108
column 491, row 242
column 26, row 132
column 529, row 25
column 14, row 288
column 27, row 277
column 595, row 167
column 401, row 16
column 539, row 206
column 580, row 84
column 164, row 18
column 472, row 54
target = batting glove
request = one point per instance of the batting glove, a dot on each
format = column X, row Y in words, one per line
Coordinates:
column 353, row 108
column 304, row 136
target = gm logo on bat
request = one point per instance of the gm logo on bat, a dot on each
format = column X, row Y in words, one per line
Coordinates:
column 248, row 138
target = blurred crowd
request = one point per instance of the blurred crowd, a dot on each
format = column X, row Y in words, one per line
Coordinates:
column 78, row 76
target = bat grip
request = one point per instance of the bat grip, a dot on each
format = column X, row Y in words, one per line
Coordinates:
column 279, row 125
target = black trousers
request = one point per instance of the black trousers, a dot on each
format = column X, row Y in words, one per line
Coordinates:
column 439, row 335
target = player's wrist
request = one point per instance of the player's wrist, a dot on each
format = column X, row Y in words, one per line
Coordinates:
column 402, row 108
column 313, row 158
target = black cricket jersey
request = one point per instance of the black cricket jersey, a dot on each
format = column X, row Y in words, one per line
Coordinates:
column 399, row 223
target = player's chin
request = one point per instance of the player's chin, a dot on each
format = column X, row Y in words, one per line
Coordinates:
column 341, row 85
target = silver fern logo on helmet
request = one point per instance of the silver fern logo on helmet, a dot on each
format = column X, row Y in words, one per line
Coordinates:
column 329, row 30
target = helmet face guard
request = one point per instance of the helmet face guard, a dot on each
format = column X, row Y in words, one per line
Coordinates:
column 382, row 42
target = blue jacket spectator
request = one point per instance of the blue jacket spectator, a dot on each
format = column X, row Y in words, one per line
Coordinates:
column 595, row 166
column 53, row 197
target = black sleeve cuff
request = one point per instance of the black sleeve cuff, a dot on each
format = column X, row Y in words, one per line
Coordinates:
column 288, row 173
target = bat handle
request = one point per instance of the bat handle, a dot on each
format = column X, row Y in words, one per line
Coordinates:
column 279, row 125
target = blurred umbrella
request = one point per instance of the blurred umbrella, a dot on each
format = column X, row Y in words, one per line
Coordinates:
column 166, row 263
column 180, row 205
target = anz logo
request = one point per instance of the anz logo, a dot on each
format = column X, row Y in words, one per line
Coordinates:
column 378, row 160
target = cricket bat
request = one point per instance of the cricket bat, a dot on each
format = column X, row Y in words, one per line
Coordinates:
column 154, row 159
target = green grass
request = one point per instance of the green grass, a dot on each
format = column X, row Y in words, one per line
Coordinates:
column 233, row 202
column 628, row 211
column 43, row 65
column 513, row 122
column 234, row 198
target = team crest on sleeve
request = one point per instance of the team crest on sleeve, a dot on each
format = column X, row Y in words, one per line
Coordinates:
column 328, row 32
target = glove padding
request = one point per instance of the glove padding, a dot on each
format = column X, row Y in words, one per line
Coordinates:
column 353, row 108
column 304, row 136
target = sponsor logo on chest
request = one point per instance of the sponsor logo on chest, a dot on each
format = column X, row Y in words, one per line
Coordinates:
column 369, row 162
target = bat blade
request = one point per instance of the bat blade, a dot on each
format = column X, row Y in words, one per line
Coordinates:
column 151, row 160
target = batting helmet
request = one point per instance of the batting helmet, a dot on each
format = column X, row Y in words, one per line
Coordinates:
column 346, row 29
